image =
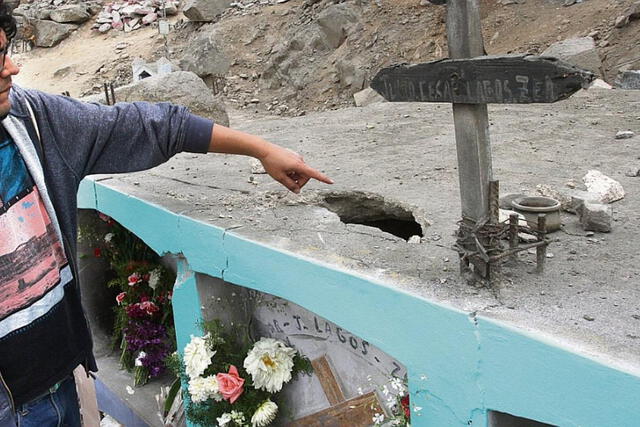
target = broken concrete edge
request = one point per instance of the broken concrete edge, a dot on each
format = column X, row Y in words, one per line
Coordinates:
column 461, row 365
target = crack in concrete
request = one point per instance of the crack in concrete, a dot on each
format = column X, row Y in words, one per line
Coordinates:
column 473, row 317
column 199, row 185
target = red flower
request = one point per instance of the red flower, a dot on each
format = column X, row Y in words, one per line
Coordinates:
column 230, row 385
column 97, row 252
column 106, row 218
column 149, row 307
column 121, row 296
column 404, row 402
column 134, row 279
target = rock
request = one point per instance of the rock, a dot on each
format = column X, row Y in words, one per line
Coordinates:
column 24, row 10
column 71, row 13
column 624, row 134
column 62, row 72
column 148, row 19
column 206, row 56
column 608, row 190
column 350, row 74
column 578, row 198
column 595, row 217
column 621, row 21
column 580, row 52
column 633, row 12
column 633, row 173
column 600, row 84
column 334, row 21
column 43, row 14
column 256, row 167
column 588, row 318
column 366, row 97
column 205, row 10
column 170, row 9
column 103, row 28
column 414, row 240
column 629, row 79
column 180, row 87
column 143, row 10
column 49, row 33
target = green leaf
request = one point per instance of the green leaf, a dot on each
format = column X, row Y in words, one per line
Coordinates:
column 171, row 397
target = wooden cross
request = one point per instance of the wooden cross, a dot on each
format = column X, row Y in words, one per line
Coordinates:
column 356, row 412
column 470, row 81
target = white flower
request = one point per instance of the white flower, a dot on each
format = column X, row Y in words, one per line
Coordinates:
column 264, row 414
column 141, row 356
column 224, row 419
column 108, row 237
column 269, row 363
column 154, row 278
column 203, row 388
column 237, row 417
column 385, row 390
column 360, row 392
column 396, row 383
column 197, row 356
column 378, row 419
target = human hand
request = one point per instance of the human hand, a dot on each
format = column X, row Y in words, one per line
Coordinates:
column 288, row 168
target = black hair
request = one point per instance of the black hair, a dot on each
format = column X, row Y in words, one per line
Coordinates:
column 7, row 21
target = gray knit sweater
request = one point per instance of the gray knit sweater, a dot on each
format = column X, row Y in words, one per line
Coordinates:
column 76, row 140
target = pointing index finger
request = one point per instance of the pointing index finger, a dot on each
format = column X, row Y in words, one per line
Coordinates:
column 311, row 172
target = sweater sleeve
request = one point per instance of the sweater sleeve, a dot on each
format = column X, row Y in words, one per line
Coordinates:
column 126, row 137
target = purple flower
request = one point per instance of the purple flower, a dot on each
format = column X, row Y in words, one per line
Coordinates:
column 145, row 335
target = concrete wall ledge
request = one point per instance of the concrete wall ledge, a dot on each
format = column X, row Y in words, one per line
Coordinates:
column 461, row 364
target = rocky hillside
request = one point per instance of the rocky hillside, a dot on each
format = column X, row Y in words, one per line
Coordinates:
column 290, row 57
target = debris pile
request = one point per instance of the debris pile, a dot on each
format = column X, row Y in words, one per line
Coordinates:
column 45, row 24
column 131, row 15
column 592, row 205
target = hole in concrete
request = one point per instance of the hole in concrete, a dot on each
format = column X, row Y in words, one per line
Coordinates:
column 501, row 419
column 374, row 211
column 143, row 75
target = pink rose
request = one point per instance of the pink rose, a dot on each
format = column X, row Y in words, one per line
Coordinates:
column 230, row 385
column 121, row 296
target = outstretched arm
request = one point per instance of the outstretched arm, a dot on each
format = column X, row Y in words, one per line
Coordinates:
column 285, row 166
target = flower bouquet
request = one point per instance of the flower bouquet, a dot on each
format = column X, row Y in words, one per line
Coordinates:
column 231, row 384
column 143, row 327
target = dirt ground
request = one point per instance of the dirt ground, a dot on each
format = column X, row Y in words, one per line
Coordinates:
column 391, row 31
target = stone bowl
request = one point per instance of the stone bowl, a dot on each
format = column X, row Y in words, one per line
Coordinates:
column 532, row 206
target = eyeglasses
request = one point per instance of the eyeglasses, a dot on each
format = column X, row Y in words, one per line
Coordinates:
column 3, row 56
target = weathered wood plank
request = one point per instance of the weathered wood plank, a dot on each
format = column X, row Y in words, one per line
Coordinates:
column 509, row 79
column 473, row 145
column 328, row 381
column 356, row 412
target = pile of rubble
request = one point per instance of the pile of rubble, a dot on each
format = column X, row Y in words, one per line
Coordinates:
column 131, row 15
column 46, row 23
